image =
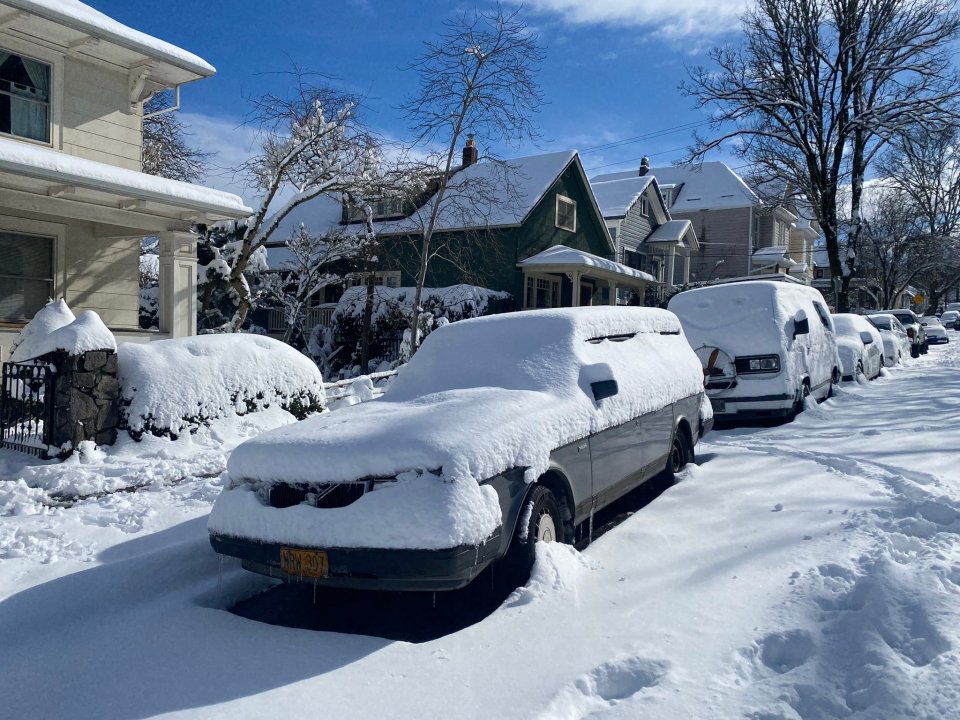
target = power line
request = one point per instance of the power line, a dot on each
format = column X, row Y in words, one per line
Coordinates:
column 647, row 136
column 621, row 162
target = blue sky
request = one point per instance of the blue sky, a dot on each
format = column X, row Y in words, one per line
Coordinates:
column 611, row 70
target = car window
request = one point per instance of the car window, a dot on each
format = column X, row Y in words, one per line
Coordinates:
column 824, row 315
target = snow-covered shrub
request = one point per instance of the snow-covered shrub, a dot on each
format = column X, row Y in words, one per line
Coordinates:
column 55, row 327
column 173, row 386
column 392, row 310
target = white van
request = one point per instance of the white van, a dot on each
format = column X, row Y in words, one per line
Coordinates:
column 764, row 345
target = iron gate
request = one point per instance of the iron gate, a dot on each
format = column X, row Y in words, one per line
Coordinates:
column 27, row 407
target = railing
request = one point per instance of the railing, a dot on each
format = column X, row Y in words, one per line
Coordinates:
column 27, row 407
column 313, row 316
column 345, row 388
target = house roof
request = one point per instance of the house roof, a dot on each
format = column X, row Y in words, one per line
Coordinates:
column 561, row 256
column 614, row 197
column 80, row 16
column 773, row 255
column 67, row 171
column 820, row 258
column 672, row 231
column 510, row 189
column 710, row 186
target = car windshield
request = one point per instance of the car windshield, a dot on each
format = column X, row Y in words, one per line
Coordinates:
column 882, row 323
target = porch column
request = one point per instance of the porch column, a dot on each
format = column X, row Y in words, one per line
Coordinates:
column 178, row 284
column 686, row 269
column 612, row 292
column 575, row 299
column 670, row 262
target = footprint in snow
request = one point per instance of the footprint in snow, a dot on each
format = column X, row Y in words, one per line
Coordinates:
column 785, row 651
column 604, row 687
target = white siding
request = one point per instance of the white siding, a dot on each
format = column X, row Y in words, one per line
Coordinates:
column 102, row 274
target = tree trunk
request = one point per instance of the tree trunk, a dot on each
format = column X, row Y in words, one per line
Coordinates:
column 367, row 323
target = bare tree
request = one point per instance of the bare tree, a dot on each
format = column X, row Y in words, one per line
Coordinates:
column 818, row 87
column 166, row 150
column 476, row 79
column 312, row 143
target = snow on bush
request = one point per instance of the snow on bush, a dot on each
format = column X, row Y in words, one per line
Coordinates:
column 172, row 386
column 392, row 311
column 55, row 327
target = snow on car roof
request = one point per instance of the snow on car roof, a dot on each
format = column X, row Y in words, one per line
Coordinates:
column 485, row 395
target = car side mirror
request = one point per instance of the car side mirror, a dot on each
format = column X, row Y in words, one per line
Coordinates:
column 603, row 389
column 801, row 326
column 865, row 337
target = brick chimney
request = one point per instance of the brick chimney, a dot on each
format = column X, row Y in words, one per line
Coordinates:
column 469, row 152
column 644, row 165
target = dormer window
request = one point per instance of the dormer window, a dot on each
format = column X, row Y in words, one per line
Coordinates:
column 644, row 206
column 566, row 213
column 24, row 97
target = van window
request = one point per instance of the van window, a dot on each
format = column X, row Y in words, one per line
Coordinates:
column 824, row 316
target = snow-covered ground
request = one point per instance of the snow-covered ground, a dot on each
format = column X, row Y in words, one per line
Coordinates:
column 810, row 570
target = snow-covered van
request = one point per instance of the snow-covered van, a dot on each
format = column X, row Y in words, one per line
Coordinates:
column 764, row 345
column 500, row 432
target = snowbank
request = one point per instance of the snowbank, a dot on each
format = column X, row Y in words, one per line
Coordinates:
column 54, row 327
column 171, row 386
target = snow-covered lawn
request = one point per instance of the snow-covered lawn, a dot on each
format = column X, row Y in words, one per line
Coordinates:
column 810, row 570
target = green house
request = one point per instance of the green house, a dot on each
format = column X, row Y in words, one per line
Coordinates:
column 528, row 226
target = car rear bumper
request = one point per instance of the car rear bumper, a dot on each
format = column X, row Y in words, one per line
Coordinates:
column 372, row 568
column 759, row 406
column 938, row 340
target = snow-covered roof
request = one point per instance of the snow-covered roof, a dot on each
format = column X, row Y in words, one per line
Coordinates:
column 614, row 197
column 820, row 258
column 82, row 17
column 710, row 186
column 561, row 255
column 672, row 231
column 509, row 189
column 25, row 159
column 773, row 254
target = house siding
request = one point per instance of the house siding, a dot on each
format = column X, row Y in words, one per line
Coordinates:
column 97, row 121
column 491, row 255
column 723, row 235
column 102, row 274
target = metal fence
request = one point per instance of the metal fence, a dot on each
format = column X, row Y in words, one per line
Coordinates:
column 27, row 407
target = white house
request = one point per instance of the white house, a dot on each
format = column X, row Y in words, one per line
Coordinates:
column 74, row 203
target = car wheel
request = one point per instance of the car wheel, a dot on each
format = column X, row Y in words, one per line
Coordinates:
column 802, row 395
column 679, row 453
column 914, row 351
column 925, row 348
column 834, row 381
column 540, row 521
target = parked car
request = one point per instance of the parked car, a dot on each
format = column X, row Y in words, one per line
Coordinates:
column 500, row 432
column 952, row 306
column 764, row 345
column 951, row 319
column 936, row 333
column 911, row 323
column 896, row 343
column 859, row 346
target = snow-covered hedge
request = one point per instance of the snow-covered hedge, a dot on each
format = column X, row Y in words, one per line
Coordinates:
column 392, row 310
column 173, row 386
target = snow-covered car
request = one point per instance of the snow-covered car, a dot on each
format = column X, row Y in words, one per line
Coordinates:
column 896, row 343
column 764, row 345
column 859, row 346
column 936, row 333
column 915, row 331
column 501, row 431
column 951, row 319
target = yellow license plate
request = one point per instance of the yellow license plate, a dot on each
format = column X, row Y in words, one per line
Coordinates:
column 304, row 563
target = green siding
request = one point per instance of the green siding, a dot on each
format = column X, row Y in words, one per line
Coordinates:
column 489, row 257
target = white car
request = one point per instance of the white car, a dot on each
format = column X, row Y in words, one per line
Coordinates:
column 951, row 319
column 936, row 332
column 896, row 343
column 859, row 345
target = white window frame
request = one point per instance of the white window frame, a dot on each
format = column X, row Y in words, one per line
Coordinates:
column 45, row 230
column 56, row 62
column 555, row 289
column 564, row 199
column 644, row 205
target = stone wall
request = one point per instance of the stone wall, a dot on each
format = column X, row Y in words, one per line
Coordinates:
column 85, row 401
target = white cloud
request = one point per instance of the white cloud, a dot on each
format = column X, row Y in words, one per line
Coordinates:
column 674, row 19
column 230, row 142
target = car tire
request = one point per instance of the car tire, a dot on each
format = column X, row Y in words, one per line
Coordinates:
column 680, row 453
column 925, row 348
column 802, row 395
column 541, row 520
column 914, row 351
column 835, row 378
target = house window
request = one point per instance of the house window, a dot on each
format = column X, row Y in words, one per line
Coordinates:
column 644, row 207
column 566, row 213
column 24, row 97
column 819, row 273
column 26, row 275
column 542, row 293
column 387, row 278
column 667, row 198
